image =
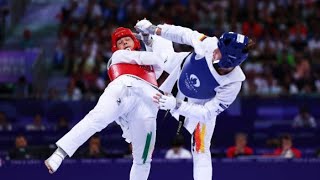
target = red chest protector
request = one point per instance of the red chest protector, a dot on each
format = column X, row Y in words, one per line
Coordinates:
column 145, row 72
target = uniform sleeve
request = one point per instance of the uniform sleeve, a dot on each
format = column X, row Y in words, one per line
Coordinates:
column 295, row 122
column 230, row 152
column 225, row 95
column 296, row 152
column 139, row 57
column 313, row 123
column 168, row 154
column 248, row 151
column 181, row 35
column 136, row 57
column 161, row 46
column 164, row 48
column 277, row 152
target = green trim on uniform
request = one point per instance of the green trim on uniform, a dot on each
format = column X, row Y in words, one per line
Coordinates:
column 146, row 147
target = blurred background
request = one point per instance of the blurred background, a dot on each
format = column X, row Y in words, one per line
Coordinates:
column 53, row 56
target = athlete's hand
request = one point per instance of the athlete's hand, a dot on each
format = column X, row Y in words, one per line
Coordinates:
column 145, row 38
column 166, row 102
column 138, row 36
column 145, row 27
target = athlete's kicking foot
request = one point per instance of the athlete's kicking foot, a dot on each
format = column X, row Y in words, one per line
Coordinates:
column 55, row 160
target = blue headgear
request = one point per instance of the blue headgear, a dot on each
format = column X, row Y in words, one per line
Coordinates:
column 231, row 46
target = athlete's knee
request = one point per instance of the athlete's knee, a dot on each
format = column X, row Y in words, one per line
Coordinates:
column 97, row 120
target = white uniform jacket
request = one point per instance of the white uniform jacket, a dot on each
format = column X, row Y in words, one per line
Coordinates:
column 226, row 87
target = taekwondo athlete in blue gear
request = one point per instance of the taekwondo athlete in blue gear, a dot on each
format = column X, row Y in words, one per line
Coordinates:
column 210, row 77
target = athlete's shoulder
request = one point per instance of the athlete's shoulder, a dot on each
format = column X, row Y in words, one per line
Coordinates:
column 208, row 45
column 236, row 74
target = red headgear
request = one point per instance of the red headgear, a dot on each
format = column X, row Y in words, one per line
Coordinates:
column 120, row 33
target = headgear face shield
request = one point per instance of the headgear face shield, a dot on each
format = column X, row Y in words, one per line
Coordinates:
column 232, row 48
column 120, row 33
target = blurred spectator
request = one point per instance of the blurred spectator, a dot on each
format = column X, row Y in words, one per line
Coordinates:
column 273, row 143
column 287, row 150
column 317, row 83
column 252, row 28
column 73, row 93
column 21, row 149
column 289, row 87
column 177, row 150
column 59, row 57
column 4, row 124
column 22, row 88
column 94, row 150
column 53, row 94
column 27, row 41
column 240, row 148
column 62, row 124
column 304, row 119
column 85, row 28
column 303, row 75
column 314, row 42
column 298, row 31
column 36, row 124
column 318, row 153
column 4, row 12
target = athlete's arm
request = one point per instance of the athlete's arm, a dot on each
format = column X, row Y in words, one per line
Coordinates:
column 225, row 95
column 139, row 57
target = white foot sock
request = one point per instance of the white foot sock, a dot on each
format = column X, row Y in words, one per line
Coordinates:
column 55, row 160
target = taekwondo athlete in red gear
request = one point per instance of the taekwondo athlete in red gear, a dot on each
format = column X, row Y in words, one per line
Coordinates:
column 126, row 100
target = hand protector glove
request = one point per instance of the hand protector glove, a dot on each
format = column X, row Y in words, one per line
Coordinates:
column 167, row 102
column 145, row 38
column 145, row 27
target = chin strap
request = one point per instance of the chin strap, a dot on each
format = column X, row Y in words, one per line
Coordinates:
column 216, row 61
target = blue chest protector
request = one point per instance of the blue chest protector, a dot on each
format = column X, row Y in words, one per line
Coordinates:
column 196, row 80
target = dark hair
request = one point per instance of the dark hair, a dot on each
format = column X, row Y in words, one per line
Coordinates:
column 304, row 109
column 286, row 137
column 20, row 135
column 250, row 46
column 241, row 135
column 3, row 113
column 96, row 135
column 178, row 141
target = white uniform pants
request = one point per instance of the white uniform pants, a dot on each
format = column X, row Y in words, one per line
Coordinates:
column 200, row 144
column 128, row 97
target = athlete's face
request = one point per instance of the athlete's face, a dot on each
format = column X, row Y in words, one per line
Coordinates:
column 125, row 43
column 216, row 54
column 286, row 144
